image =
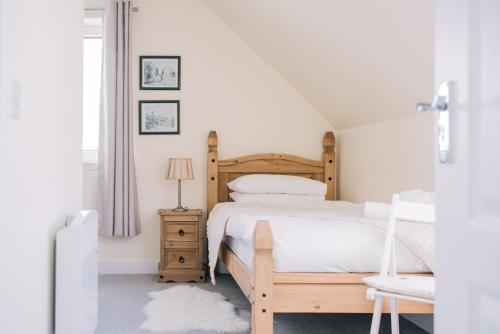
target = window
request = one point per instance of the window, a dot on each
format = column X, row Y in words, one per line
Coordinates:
column 92, row 63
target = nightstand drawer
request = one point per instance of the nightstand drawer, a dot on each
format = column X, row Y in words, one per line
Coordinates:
column 180, row 218
column 181, row 232
column 181, row 258
column 180, row 244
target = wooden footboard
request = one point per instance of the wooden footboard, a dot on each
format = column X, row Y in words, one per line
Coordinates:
column 271, row 292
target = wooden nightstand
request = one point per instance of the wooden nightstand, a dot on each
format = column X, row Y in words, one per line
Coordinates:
column 182, row 246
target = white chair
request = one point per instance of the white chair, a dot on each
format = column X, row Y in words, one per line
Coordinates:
column 390, row 285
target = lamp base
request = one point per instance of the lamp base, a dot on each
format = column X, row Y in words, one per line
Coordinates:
column 179, row 209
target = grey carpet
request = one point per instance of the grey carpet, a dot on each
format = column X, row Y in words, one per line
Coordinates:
column 122, row 297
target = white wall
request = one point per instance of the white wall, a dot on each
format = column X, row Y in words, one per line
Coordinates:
column 357, row 62
column 40, row 164
column 226, row 87
column 381, row 159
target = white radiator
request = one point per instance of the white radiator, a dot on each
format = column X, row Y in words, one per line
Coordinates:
column 76, row 275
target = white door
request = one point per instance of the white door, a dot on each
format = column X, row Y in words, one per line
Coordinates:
column 468, row 186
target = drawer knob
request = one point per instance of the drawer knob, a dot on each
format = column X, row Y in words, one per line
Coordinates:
column 181, row 259
column 181, row 232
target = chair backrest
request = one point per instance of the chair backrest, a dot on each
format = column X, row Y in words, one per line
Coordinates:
column 407, row 211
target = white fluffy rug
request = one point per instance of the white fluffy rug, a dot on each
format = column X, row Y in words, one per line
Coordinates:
column 183, row 308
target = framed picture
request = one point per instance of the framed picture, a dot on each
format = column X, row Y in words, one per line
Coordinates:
column 160, row 72
column 159, row 117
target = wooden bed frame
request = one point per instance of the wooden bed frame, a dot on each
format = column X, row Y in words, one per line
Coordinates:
column 271, row 292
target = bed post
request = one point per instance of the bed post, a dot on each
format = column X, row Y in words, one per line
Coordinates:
column 212, row 171
column 329, row 160
column 262, row 279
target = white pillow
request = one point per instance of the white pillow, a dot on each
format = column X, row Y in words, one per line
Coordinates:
column 277, row 184
column 274, row 198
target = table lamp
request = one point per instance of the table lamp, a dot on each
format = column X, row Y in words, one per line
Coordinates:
column 180, row 169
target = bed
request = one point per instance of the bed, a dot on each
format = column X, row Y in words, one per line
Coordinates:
column 282, row 291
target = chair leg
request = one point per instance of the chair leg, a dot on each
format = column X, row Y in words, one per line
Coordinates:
column 394, row 316
column 377, row 313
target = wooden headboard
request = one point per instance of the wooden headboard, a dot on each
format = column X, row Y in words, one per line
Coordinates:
column 220, row 172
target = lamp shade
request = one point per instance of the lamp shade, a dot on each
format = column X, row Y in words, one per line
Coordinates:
column 180, row 169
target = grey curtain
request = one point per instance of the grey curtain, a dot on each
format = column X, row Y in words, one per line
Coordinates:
column 117, row 190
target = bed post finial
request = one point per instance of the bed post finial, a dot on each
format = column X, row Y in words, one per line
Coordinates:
column 329, row 161
column 212, row 171
column 213, row 141
column 329, row 142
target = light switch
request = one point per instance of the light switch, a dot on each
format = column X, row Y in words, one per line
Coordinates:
column 15, row 99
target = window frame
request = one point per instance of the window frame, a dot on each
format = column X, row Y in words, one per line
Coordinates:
column 92, row 29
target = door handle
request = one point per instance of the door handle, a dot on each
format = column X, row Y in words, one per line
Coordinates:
column 441, row 104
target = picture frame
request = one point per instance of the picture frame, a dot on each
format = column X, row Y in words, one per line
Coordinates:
column 159, row 117
column 159, row 72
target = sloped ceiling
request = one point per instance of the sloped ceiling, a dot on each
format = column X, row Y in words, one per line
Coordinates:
column 356, row 61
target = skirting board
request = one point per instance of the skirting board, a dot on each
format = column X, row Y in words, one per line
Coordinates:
column 109, row 267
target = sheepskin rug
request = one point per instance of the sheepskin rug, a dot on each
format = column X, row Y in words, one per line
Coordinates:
column 184, row 308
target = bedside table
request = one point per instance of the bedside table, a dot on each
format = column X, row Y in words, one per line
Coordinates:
column 182, row 246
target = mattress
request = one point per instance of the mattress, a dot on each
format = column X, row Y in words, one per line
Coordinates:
column 306, row 244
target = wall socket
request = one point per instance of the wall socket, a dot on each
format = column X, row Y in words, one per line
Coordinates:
column 15, row 99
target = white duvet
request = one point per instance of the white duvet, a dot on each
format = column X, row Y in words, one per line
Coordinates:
column 334, row 229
